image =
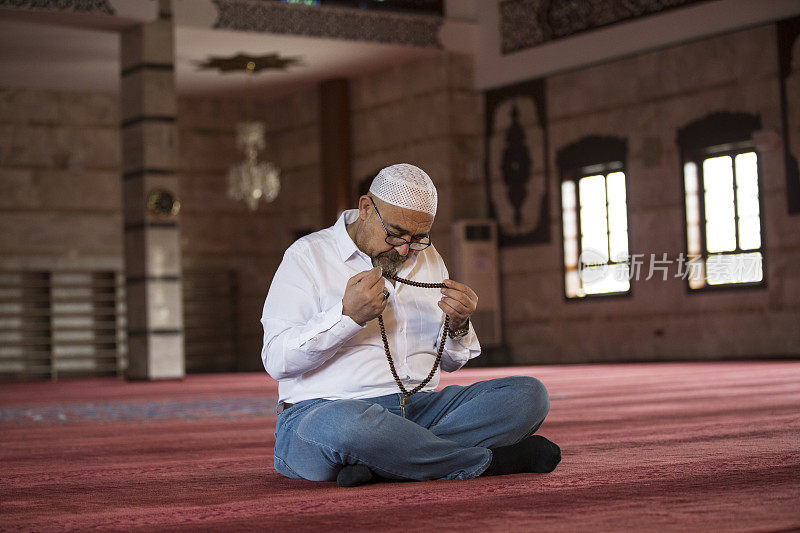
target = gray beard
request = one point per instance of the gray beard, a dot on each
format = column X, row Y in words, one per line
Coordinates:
column 389, row 261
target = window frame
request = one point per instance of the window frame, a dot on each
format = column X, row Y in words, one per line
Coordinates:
column 698, row 156
column 575, row 175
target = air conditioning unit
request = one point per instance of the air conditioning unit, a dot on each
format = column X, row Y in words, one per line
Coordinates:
column 477, row 265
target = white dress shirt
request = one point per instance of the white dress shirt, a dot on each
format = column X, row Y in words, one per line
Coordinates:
column 315, row 351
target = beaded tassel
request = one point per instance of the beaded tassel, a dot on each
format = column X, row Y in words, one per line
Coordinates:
column 397, row 380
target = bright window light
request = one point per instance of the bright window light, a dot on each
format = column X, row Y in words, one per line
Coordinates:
column 617, row 216
column 720, row 214
column 596, row 260
column 594, row 217
column 747, row 201
column 734, row 268
column 730, row 251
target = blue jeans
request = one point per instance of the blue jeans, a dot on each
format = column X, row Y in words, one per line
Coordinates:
column 446, row 434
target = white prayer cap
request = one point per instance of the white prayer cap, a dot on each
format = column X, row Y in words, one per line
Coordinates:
column 406, row 186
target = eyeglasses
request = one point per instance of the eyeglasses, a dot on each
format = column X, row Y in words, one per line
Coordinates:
column 397, row 240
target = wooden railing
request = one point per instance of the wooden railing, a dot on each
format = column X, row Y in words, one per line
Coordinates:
column 56, row 324
column 61, row 323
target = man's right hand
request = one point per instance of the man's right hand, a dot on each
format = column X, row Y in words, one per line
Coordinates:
column 363, row 298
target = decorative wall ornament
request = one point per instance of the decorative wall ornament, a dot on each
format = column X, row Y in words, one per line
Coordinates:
column 77, row 6
column 163, row 203
column 527, row 23
column 329, row 22
column 517, row 166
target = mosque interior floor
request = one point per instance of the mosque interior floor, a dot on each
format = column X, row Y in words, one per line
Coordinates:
column 650, row 446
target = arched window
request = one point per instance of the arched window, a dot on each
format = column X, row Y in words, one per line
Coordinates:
column 724, row 226
column 594, row 217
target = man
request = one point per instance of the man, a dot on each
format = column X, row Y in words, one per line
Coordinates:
column 343, row 414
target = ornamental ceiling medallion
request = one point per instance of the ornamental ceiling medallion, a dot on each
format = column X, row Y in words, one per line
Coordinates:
column 244, row 62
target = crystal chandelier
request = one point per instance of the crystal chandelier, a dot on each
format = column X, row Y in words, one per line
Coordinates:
column 252, row 180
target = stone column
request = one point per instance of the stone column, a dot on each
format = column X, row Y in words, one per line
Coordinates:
column 152, row 234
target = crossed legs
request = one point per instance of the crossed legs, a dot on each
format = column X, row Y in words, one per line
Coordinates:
column 446, row 435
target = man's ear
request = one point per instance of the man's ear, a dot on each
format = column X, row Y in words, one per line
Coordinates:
column 364, row 207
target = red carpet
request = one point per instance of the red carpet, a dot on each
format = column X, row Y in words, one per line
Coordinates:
column 697, row 447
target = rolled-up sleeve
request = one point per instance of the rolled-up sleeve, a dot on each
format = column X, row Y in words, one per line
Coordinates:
column 298, row 335
column 458, row 351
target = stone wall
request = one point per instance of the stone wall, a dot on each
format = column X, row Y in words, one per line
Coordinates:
column 425, row 113
column 645, row 99
column 60, row 188
column 60, row 196
column 60, row 160
column 218, row 233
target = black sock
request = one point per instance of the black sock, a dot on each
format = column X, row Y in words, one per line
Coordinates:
column 354, row 475
column 532, row 454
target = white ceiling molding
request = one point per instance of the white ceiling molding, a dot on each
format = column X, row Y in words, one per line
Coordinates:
column 64, row 48
column 138, row 10
column 75, row 52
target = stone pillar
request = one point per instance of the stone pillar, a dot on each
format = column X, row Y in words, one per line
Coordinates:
column 152, row 234
column 335, row 151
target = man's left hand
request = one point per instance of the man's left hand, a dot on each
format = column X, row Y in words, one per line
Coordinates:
column 458, row 302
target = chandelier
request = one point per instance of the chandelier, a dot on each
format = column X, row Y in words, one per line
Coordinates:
column 252, row 180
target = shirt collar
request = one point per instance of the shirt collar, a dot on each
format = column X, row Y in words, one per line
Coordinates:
column 343, row 241
column 347, row 248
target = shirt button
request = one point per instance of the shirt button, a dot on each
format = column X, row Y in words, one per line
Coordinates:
column 314, row 339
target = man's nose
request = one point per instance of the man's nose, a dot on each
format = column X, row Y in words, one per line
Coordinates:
column 403, row 249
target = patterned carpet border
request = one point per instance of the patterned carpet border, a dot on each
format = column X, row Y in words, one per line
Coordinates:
column 230, row 408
